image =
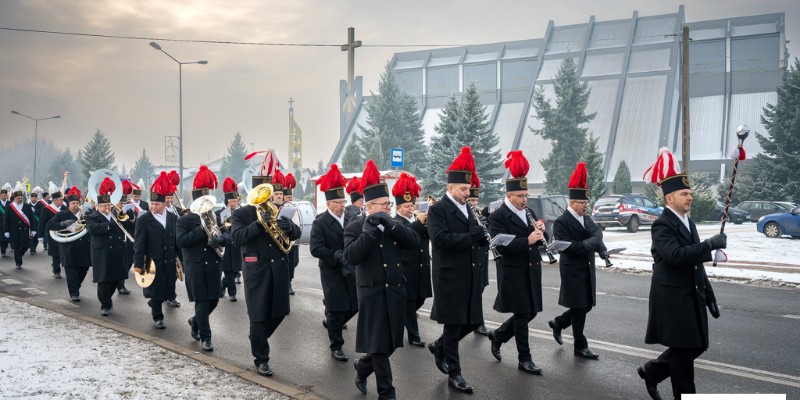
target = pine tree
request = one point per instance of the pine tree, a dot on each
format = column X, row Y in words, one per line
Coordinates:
column 95, row 155
column 443, row 148
column 476, row 132
column 375, row 149
column 353, row 161
column 775, row 169
column 746, row 189
column 392, row 116
column 563, row 125
column 622, row 179
column 652, row 192
column 63, row 162
column 594, row 166
column 233, row 164
column 143, row 169
column 704, row 201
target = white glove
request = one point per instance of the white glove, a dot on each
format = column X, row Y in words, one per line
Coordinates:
column 41, row 240
column 7, row 235
column 33, row 233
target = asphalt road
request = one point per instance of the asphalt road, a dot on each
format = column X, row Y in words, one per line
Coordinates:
column 754, row 344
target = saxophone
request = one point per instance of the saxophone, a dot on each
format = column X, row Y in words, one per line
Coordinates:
column 267, row 214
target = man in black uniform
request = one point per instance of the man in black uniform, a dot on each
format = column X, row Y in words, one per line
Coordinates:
column 354, row 209
column 75, row 255
column 578, row 283
column 519, row 271
column 474, row 195
column 48, row 212
column 374, row 245
column 108, row 245
column 337, row 276
column 201, row 242
column 679, row 289
column 171, row 207
column 457, row 239
column 266, row 266
column 127, row 255
column 154, row 241
column 36, row 206
column 18, row 224
column 3, row 208
column 289, row 183
column 417, row 261
column 138, row 204
column 232, row 259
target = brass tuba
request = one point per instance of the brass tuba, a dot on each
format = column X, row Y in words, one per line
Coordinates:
column 267, row 213
column 73, row 232
column 204, row 207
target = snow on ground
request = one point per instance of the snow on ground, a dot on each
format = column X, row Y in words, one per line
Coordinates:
column 719, row 273
column 46, row 355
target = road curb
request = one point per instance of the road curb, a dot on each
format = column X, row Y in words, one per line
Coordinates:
column 300, row 392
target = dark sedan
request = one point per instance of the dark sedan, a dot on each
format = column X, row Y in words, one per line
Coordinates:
column 735, row 215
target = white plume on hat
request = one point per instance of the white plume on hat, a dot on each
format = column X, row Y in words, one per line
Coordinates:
column 7, row 186
column 666, row 165
column 51, row 187
column 19, row 187
column 37, row 190
column 140, row 183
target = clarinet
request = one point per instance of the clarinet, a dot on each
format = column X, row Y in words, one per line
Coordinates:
column 495, row 254
column 542, row 242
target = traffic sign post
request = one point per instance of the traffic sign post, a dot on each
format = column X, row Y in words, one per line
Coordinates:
column 397, row 157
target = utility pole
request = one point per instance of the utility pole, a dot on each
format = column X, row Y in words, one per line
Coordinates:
column 685, row 149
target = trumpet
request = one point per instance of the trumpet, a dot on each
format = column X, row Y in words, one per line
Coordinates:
column 544, row 242
column 204, row 207
column 474, row 210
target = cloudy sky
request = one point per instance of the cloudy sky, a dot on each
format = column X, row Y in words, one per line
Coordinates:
column 129, row 91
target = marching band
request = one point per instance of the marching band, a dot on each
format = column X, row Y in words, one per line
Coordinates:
column 379, row 268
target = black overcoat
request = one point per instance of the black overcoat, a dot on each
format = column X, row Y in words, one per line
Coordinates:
column 45, row 217
column 576, row 262
column 37, row 211
column 519, row 271
column 74, row 254
column 679, row 289
column 265, row 268
column 338, row 280
column 232, row 259
column 381, row 286
column 417, row 262
column 153, row 241
column 202, row 265
column 108, row 248
column 456, row 268
column 18, row 229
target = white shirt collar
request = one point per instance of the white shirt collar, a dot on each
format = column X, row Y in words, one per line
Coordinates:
column 162, row 218
column 684, row 219
column 574, row 214
column 462, row 207
column 340, row 219
column 520, row 213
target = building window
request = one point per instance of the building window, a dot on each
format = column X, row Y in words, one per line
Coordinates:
column 410, row 81
column 442, row 81
column 483, row 75
column 518, row 74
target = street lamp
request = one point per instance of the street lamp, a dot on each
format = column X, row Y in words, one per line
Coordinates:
column 180, row 105
column 35, row 136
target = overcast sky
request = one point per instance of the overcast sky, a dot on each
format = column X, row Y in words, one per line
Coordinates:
column 129, row 91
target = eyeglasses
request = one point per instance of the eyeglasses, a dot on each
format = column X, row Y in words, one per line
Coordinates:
column 385, row 204
column 520, row 196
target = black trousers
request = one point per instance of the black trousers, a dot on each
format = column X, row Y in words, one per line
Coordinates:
column 575, row 317
column 336, row 320
column 3, row 244
column 678, row 364
column 34, row 244
column 121, row 283
column 46, row 241
column 229, row 283
column 104, row 292
column 75, row 277
column 156, row 310
column 260, row 332
column 18, row 253
column 379, row 364
column 56, row 263
column 517, row 327
column 412, row 328
column 202, row 310
column 448, row 342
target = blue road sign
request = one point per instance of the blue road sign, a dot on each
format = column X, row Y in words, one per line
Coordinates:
column 398, row 157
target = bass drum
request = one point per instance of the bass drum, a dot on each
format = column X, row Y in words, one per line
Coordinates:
column 303, row 217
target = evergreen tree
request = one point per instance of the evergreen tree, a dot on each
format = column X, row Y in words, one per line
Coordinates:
column 745, row 189
column 353, row 161
column 476, row 132
column 299, row 191
column 95, row 155
column 375, row 149
column 652, row 192
column 233, row 164
column 63, row 162
column 443, row 148
column 622, row 179
column 320, row 168
column 774, row 170
column 594, row 166
column 143, row 169
column 563, row 125
column 704, row 202
column 393, row 117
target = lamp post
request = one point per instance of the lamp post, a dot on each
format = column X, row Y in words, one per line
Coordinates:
column 180, row 105
column 35, row 136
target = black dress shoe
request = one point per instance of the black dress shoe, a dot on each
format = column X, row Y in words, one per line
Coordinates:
column 325, row 323
column 233, row 297
column 75, row 298
column 19, row 266
column 416, row 342
column 344, row 326
column 361, row 383
column 529, row 367
column 160, row 324
column 104, row 312
column 458, row 383
column 587, row 354
column 438, row 356
column 556, row 331
column 124, row 290
column 481, row 330
column 57, row 276
column 195, row 329
column 239, row 280
column 264, row 369
column 207, row 346
column 495, row 345
column 291, row 289
column 339, row 355
column 649, row 383
column 173, row 303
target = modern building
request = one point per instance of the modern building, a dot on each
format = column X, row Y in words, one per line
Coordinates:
column 633, row 69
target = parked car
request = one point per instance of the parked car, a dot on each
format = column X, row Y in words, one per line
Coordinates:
column 735, row 215
column 758, row 209
column 629, row 210
column 548, row 207
column 782, row 223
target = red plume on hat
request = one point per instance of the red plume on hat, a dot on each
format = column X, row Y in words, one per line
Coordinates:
column 205, row 179
column 268, row 165
column 332, row 179
column 289, row 182
column 127, row 188
column 162, row 185
column 464, row 161
column 174, row 178
column 517, row 164
column 229, row 186
column 74, row 191
column 475, row 182
column 665, row 166
column 107, row 186
column 278, row 178
column 371, row 176
column 352, row 186
column 404, row 184
column 579, row 176
column 134, row 187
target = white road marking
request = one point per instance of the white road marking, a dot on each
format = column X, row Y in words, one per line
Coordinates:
column 11, row 281
column 791, row 316
column 34, row 291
